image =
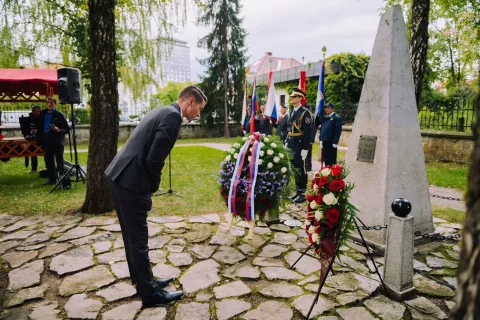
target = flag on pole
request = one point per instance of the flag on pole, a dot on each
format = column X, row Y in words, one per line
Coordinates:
column 321, row 92
column 244, row 107
column 254, row 107
column 303, row 85
column 271, row 107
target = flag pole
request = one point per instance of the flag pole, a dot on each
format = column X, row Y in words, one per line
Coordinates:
column 320, row 147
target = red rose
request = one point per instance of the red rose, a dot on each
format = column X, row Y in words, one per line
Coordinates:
column 319, row 199
column 322, row 181
column 336, row 170
column 337, row 185
column 310, row 197
column 333, row 215
column 314, row 182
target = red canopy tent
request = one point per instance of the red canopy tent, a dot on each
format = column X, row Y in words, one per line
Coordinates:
column 27, row 85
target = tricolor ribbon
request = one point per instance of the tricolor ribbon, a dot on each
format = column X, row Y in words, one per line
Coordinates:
column 254, row 141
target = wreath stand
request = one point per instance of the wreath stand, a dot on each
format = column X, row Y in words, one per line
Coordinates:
column 329, row 269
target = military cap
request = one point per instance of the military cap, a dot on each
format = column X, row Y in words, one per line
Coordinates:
column 330, row 105
column 283, row 106
column 297, row 92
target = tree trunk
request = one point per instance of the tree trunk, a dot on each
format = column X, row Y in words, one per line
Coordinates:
column 419, row 44
column 225, row 81
column 104, row 104
column 468, row 291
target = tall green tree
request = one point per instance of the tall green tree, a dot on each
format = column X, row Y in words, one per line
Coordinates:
column 225, row 75
column 419, row 44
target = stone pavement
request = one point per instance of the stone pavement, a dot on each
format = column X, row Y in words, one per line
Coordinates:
column 74, row 267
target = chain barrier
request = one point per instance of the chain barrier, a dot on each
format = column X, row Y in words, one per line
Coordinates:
column 446, row 198
column 438, row 237
column 376, row 228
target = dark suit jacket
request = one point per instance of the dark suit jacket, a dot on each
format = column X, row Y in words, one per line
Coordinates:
column 52, row 138
column 138, row 165
column 282, row 129
column 331, row 129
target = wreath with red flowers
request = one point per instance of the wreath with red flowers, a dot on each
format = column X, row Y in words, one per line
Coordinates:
column 328, row 208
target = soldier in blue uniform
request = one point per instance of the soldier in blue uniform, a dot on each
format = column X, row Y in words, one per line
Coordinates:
column 298, row 140
column 330, row 134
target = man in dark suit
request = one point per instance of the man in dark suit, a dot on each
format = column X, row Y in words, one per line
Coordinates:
column 282, row 123
column 299, row 137
column 134, row 175
column 330, row 134
column 51, row 135
column 263, row 123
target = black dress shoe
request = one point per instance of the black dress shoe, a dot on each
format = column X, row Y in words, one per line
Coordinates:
column 161, row 297
column 161, row 283
column 300, row 199
column 293, row 197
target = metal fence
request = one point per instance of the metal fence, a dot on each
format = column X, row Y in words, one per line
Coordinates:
column 454, row 115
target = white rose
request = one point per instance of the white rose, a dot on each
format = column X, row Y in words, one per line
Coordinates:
column 311, row 229
column 270, row 165
column 325, row 172
column 249, row 158
column 316, row 238
column 269, row 152
column 281, row 155
column 245, row 138
column 283, row 170
column 228, row 158
column 313, row 205
column 235, row 155
column 307, row 222
column 273, row 145
column 260, row 161
column 276, row 159
column 262, row 153
column 318, row 215
column 232, row 151
column 330, row 199
column 236, row 145
column 266, row 139
column 315, row 188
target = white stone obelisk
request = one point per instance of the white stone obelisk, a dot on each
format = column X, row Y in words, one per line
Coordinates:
column 385, row 152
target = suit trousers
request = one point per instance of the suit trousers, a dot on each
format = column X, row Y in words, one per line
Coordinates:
column 301, row 179
column 132, row 209
column 53, row 152
column 329, row 153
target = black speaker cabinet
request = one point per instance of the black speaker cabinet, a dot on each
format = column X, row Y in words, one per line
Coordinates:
column 69, row 85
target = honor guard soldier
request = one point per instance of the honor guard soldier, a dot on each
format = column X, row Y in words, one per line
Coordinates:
column 298, row 140
column 330, row 134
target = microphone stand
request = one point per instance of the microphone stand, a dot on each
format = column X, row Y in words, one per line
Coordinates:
column 170, row 190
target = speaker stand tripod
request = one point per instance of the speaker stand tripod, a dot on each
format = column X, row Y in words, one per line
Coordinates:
column 80, row 175
column 169, row 191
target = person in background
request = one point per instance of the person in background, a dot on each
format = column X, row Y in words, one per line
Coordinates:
column 263, row 123
column 51, row 135
column 246, row 121
column 308, row 160
column 282, row 124
column 29, row 126
column 330, row 134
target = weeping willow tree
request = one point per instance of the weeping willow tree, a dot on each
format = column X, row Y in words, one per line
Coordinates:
column 105, row 39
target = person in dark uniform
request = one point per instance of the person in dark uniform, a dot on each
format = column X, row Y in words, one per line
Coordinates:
column 282, row 124
column 263, row 123
column 308, row 160
column 29, row 126
column 135, row 174
column 330, row 134
column 51, row 134
column 298, row 140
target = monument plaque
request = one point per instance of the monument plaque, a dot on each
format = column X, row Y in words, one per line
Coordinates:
column 366, row 148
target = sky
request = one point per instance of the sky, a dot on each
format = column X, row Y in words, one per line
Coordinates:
column 296, row 29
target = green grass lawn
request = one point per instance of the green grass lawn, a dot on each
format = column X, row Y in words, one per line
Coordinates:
column 194, row 176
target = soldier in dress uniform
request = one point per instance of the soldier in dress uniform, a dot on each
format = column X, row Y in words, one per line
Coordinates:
column 298, row 140
column 330, row 134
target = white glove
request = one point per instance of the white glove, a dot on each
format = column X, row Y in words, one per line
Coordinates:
column 321, row 144
column 244, row 132
column 303, row 154
column 334, row 145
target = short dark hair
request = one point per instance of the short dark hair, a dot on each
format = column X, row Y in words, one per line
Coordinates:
column 36, row 107
column 51, row 98
column 195, row 92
